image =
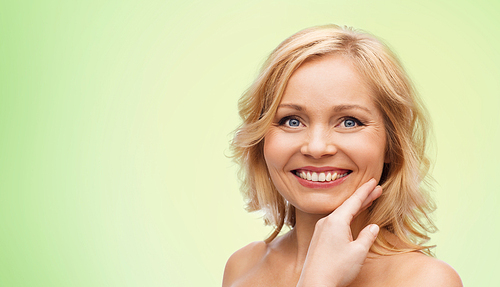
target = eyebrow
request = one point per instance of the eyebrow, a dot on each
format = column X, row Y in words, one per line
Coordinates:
column 295, row 107
column 341, row 108
column 336, row 109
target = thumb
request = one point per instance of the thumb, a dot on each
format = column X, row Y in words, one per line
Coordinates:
column 367, row 236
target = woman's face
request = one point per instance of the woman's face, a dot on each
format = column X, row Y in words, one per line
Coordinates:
column 327, row 137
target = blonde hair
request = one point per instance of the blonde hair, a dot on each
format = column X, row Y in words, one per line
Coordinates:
column 404, row 206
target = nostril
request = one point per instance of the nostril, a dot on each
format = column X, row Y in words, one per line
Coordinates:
column 318, row 147
column 319, row 153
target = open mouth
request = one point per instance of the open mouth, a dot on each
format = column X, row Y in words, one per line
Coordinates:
column 321, row 176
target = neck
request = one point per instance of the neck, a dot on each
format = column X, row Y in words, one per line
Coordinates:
column 300, row 236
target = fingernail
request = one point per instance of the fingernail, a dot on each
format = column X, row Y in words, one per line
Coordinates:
column 374, row 229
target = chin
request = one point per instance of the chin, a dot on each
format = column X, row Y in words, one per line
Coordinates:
column 318, row 208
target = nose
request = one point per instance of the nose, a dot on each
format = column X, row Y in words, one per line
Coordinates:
column 318, row 144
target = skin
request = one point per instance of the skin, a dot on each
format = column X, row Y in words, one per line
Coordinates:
column 327, row 118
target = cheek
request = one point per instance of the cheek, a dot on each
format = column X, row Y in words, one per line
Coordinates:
column 368, row 152
column 278, row 149
column 270, row 149
column 273, row 154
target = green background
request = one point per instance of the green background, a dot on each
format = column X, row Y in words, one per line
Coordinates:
column 115, row 118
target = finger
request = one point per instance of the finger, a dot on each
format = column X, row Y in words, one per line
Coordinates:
column 367, row 236
column 376, row 193
column 353, row 204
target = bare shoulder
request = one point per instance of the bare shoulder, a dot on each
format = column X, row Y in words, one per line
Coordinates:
column 242, row 261
column 418, row 269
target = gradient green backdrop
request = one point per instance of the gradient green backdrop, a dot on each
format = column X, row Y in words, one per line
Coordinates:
column 115, row 118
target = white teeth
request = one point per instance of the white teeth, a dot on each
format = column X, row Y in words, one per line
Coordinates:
column 322, row 176
column 314, row 177
column 328, row 177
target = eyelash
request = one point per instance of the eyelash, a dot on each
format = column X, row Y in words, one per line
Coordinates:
column 284, row 120
column 358, row 122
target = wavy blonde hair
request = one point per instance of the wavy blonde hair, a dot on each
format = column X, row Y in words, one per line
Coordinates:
column 404, row 206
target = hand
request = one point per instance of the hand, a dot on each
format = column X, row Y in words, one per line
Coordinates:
column 333, row 257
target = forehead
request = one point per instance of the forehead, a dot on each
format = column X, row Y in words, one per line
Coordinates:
column 329, row 80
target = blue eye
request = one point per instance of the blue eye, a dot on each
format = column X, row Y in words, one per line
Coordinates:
column 290, row 122
column 351, row 123
column 293, row 122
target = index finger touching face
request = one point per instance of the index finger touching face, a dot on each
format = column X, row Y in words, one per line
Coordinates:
column 357, row 201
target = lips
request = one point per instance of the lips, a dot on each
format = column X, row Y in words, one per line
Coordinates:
column 320, row 176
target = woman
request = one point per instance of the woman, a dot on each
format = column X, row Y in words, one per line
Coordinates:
column 333, row 146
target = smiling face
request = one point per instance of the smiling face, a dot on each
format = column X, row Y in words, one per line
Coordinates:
column 327, row 137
